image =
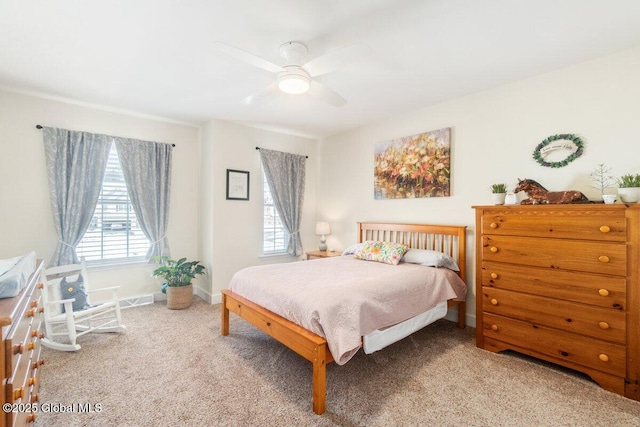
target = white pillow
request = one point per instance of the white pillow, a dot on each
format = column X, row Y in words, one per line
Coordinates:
column 430, row 258
column 353, row 249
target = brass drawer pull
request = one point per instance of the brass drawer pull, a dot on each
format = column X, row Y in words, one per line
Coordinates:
column 493, row 249
column 18, row 393
column 603, row 292
column 18, row 348
column 493, row 225
column 30, row 313
column 31, row 381
column 603, row 357
column 603, row 258
column 605, row 228
column 494, row 327
column 603, row 325
column 31, row 345
column 494, row 301
column 494, row 275
column 31, row 418
column 36, row 364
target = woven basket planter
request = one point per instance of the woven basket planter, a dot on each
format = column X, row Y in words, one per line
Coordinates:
column 179, row 297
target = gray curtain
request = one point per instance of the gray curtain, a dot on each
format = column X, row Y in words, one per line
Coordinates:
column 76, row 162
column 146, row 167
column 285, row 173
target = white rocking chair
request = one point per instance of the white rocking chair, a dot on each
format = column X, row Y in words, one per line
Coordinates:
column 63, row 327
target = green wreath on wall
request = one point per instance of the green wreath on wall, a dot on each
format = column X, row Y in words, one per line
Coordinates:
column 538, row 153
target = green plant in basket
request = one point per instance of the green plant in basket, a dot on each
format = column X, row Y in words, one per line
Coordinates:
column 176, row 273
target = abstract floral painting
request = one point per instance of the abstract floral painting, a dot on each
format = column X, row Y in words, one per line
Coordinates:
column 414, row 166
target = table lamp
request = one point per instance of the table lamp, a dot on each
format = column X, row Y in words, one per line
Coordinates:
column 323, row 229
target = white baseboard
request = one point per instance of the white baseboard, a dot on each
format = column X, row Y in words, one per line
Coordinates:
column 216, row 299
column 202, row 294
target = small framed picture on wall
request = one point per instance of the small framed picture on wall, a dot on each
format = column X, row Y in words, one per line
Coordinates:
column 237, row 185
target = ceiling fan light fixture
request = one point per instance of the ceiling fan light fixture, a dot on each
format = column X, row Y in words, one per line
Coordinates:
column 293, row 84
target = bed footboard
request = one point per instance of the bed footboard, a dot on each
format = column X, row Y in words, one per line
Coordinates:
column 307, row 344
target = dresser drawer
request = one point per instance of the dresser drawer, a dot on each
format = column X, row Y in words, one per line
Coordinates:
column 596, row 322
column 572, row 255
column 595, row 224
column 17, row 387
column 587, row 288
column 599, row 355
column 16, row 342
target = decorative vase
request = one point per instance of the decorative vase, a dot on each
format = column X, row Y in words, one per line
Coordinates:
column 629, row 194
column 498, row 198
column 179, row 297
column 511, row 199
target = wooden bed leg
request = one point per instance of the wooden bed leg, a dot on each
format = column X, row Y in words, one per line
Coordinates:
column 320, row 380
column 462, row 315
column 225, row 316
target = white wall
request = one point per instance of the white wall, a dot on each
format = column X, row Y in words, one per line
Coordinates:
column 231, row 230
column 25, row 213
column 494, row 135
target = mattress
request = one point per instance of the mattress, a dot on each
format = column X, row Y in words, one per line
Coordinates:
column 15, row 273
column 379, row 339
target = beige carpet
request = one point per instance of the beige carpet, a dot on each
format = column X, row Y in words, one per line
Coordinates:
column 172, row 368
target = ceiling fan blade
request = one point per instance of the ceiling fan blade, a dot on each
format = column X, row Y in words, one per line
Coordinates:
column 323, row 93
column 262, row 95
column 338, row 58
column 247, row 57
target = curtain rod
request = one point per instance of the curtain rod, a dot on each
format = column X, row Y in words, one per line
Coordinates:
column 40, row 127
column 306, row 157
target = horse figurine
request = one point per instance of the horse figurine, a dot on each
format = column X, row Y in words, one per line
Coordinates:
column 539, row 195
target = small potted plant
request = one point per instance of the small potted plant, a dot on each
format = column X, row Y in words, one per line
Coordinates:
column 602, row 179
column 178, row 276
column 499, row 192
column 629, row 190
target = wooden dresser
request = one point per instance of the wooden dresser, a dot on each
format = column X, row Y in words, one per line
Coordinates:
column 21, row 321
column 561, row 283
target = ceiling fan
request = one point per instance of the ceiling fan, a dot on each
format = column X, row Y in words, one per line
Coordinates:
column 296, row 77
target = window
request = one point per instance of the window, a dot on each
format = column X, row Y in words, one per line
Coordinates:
column 275, row 236
column 114, row 233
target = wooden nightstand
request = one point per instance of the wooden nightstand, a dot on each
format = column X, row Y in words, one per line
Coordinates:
column 322, row 254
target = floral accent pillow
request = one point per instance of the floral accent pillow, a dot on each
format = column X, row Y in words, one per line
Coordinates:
column 386, row 252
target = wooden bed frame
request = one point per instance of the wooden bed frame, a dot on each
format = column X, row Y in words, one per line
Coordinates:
column 444, row 238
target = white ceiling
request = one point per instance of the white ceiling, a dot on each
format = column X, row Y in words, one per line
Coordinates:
column 154, row 57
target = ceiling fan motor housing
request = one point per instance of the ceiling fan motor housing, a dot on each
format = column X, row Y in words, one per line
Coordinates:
column 293, row 52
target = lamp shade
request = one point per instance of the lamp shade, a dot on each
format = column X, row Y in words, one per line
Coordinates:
column 323, row 229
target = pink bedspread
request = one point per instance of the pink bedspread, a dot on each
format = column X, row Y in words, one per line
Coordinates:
column 342, row 298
